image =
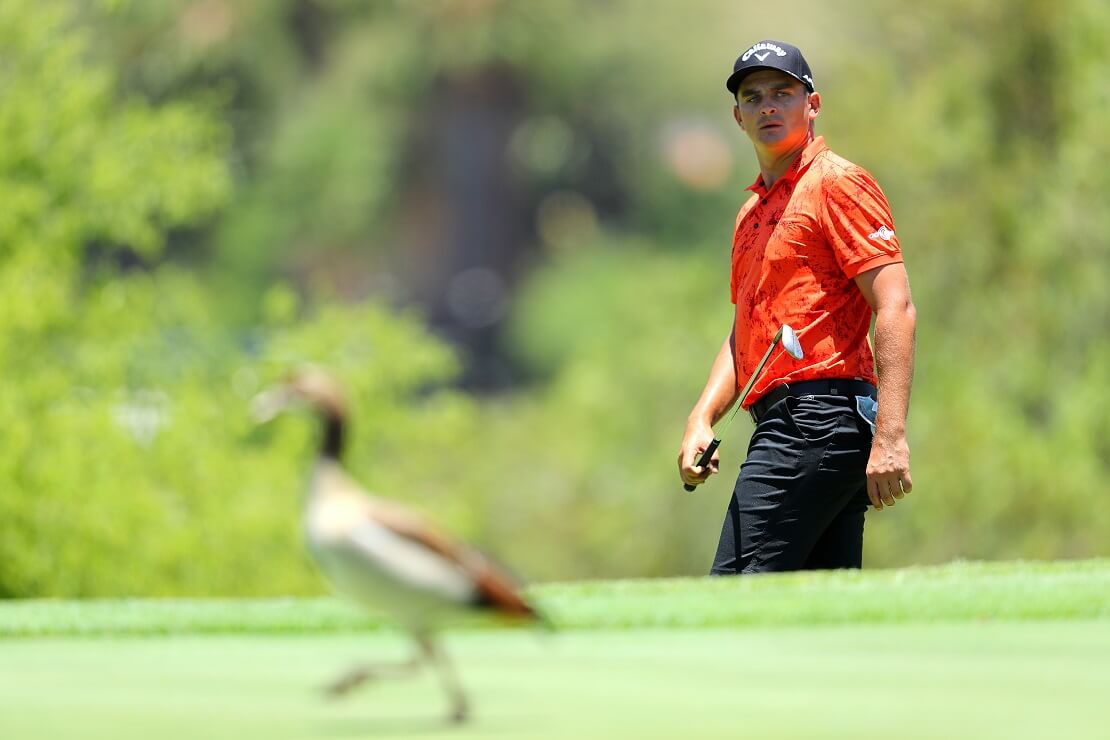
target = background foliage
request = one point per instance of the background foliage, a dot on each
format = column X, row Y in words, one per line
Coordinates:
column 506, row 227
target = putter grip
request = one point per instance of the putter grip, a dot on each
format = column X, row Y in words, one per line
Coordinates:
column 704, row 459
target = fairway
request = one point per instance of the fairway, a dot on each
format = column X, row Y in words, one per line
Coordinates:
column 194, row 669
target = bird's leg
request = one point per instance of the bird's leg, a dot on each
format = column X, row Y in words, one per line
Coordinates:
column 364, row 672
column 451, row 685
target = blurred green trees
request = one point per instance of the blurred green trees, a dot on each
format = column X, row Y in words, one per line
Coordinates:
column 197, row 195
column 129, row 464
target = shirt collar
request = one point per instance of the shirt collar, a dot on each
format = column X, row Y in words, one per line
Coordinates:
column 797, row 167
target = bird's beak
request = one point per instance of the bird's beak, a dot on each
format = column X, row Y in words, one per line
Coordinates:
column 269, row 403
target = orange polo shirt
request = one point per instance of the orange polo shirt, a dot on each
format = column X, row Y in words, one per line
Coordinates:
column 795, row 253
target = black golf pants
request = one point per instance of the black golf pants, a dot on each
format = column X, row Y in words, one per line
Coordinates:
column 801, row 495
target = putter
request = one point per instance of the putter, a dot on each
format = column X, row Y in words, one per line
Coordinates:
column 793, row 348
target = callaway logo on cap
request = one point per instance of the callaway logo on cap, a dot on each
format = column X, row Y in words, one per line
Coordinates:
column 770, row 55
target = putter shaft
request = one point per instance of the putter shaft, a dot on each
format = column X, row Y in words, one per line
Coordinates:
column 708, row 454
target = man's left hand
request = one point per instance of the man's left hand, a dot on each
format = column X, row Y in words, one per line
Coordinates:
column 888, row 470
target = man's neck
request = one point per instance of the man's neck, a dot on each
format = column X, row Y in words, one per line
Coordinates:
column 773, row 166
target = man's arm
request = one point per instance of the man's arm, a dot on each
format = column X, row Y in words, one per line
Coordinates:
column 716, row 399
column 887, row 289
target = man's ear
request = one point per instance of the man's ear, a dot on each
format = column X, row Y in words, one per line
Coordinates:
column 736, row 115
column 814, row 105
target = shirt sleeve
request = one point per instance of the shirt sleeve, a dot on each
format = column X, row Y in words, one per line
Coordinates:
column 857, row 222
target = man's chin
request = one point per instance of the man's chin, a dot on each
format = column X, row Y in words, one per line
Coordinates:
column 772, row 135
column 778, row 140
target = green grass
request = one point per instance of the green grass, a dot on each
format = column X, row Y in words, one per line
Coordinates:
column 1016, row 650
column 954, row 592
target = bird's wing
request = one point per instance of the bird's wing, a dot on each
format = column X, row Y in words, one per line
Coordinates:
column 369, row 550
column 496, row 589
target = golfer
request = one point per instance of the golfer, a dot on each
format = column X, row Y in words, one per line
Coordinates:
column 814, row 247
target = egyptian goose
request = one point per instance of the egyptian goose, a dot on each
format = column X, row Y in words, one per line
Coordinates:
column 379, row 553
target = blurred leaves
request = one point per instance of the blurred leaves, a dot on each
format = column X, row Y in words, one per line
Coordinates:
column 130, row 465
column 79, row 164
column 200, row 194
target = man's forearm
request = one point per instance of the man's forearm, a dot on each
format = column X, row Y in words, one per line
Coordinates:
column 720, row 389
column 895, row 327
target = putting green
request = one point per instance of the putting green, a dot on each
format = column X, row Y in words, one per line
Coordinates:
column 1013, row 680
column 1014, row 650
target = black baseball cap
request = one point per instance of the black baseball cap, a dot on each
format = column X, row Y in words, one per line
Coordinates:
column 770, row 54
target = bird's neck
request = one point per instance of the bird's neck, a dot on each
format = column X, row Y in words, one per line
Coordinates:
column 334, row 436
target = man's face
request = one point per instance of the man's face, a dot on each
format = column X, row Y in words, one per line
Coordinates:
column 775, row 110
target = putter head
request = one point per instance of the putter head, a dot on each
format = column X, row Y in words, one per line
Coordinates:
column 790, row 342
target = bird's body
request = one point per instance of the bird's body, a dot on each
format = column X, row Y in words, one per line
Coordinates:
column 379, row 553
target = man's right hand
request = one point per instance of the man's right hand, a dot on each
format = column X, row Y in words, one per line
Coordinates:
column 697, row 439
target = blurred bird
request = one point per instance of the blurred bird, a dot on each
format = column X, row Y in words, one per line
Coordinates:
column 380, row 554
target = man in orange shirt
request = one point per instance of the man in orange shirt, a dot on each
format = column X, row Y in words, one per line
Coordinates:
column 815, row 248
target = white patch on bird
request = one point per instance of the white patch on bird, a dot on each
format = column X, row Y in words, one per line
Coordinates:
column 335, row 503
column 334, row 517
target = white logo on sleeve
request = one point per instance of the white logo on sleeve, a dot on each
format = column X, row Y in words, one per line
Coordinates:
column 883, row 232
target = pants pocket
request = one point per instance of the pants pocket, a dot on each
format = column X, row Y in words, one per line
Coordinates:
column 815, row 418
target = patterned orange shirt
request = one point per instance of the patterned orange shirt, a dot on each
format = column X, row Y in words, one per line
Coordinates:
column 795, row 253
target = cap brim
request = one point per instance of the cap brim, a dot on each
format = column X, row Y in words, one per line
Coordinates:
column 732, row 84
